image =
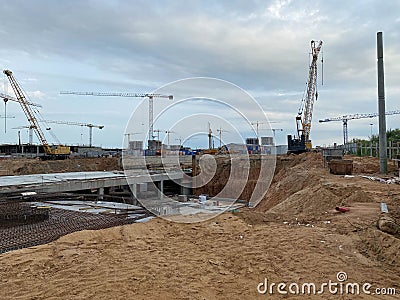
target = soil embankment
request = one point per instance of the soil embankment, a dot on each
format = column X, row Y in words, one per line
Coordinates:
column 294, row 235
column 26, row 166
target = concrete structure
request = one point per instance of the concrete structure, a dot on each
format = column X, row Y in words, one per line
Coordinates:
column 79, row 181
column 267, row 140
column 135, row 145
column 275, row 150
column 28, row 150
column 381, row 107
column 252, row 141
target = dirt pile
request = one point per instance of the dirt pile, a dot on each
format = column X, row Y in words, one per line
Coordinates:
column 35, row 166
column 218, row 259
column 243, row 175
column 293, row 236
column 368, row 165
column 303, row 187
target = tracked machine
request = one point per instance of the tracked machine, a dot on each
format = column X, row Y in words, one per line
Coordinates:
column 302, row 142
column 51, row 152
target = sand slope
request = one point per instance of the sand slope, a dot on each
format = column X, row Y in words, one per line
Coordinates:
column 294, row 236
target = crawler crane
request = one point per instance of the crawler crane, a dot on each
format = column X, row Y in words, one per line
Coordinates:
column 302, row 143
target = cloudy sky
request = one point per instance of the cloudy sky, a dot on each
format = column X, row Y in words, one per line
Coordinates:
column 139, row 46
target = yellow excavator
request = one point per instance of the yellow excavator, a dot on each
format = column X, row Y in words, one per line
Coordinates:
column 51, row 152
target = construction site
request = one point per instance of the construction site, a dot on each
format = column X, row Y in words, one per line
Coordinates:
column 159, row 219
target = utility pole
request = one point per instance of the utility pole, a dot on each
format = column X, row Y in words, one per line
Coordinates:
column 370, row 140
column 381, row 107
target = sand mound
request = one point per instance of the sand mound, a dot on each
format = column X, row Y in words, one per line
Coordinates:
column 35, row 166
column 228, row 256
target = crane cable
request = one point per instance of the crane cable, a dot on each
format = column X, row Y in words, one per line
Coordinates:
column 40, row 117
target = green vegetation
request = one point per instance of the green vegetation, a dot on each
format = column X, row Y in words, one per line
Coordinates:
column 366, row 147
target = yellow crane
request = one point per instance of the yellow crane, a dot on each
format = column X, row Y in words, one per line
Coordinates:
column 52, row 152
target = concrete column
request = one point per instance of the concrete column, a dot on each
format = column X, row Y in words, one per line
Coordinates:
column 161, row 191
column 100, row 193
column 133, row 188
column 381, row 107
column 184, row 189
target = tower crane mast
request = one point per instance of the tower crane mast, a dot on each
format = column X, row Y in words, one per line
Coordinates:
column 302, row 142
column 58, row 151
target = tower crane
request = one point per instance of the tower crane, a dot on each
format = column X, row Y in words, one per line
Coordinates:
column 257, row 125
column 168, row 132
column 302, row 143
column 346, row 118
column 7, row 98
column 220, row 131
column 89, row 125
column 210, row 137
column 134, row 95
column 54, row 152
column 30, row 132
column 158, row 133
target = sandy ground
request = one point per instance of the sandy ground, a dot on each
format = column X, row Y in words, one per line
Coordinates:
column 293, row 236
column 25, row 166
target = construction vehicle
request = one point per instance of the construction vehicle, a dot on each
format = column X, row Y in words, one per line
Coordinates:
column 346, row 118
column 302, row 143
column 89, row 125
column 51, row 152
column 135, row 95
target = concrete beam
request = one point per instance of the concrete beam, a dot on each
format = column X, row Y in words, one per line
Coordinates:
column 68, row 185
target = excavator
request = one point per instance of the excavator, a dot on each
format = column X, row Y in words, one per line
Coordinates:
column 302, row 142
column 51, row 152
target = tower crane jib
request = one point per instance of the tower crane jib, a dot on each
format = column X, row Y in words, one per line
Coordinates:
column 150, row 96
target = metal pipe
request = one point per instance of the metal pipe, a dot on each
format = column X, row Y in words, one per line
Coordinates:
column 381, row 107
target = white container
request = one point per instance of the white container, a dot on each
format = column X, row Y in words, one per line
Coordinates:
column 203, row 199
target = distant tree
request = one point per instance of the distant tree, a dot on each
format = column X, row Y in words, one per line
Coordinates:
column 392, row 135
